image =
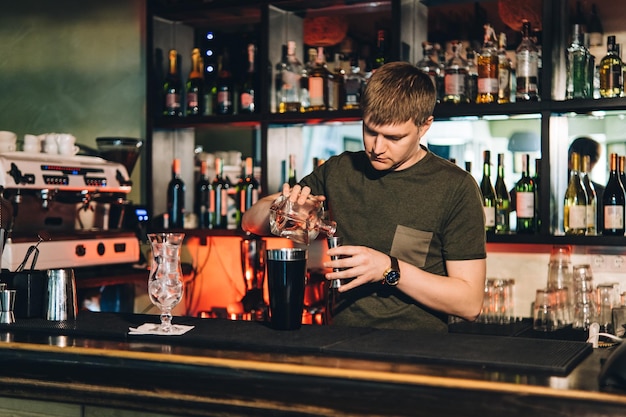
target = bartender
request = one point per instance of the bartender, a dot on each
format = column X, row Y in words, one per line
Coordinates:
column 412, row 223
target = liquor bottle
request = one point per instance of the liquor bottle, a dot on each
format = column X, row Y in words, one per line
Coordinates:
column 354, row 85
column 577, row 67
column 305, row 97
column 429, row 65
column 594, row 27
column 336, row 85
column 468, row 166
column 611, row 72
column 621, row 162
column 318, row 77
column 250, row 84
column 195, row 86
column 176, row 197
column 525, row 199
column 613, row 201
column 471, row 87
column 455, row 77
column 592, row 198
column 488, row 194
column 202, row 195
column 503, row 199
column 537, row 180
column 247, row 189
column 172, row 88
column 291, row 175
column 289, row 73
column 575, row 202
column 487, row 62
column 504, row 71
column 224, row 103
column 380, row 54
column 219, row 196
column 527, row 67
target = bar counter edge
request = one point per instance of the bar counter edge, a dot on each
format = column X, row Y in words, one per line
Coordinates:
column 170, row 379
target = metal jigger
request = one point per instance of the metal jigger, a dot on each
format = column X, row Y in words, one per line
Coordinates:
column 333, row 242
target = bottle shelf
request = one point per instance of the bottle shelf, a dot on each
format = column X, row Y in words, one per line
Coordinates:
column 273, row 23
column 442, row 112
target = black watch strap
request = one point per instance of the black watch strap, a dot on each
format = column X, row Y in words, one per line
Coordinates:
column 392, row 275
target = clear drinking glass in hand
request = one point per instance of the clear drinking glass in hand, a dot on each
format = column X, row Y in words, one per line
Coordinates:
column 165, row 285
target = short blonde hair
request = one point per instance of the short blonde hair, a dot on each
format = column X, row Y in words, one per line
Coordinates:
column 398, row 92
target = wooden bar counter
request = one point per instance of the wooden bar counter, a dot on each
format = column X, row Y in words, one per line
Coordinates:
column 235, row 368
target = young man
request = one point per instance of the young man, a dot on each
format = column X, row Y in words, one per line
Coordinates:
column 412, row 222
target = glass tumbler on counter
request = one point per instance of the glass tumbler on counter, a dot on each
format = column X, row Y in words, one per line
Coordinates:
column 544, row 318
column 584, row 297
column 605, row 304
column 560, row 281
column 299, row 222
column 498, row 301
column 165, row 285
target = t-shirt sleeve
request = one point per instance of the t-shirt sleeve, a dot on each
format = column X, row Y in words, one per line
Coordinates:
column 464, row 235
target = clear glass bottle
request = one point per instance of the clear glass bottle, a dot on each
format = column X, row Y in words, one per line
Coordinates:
column 525, row 200
column 575, row 202
column 429, row 65
column 592, row 198
column 336, row 85
column 354, row 85
column 300, row 223
column 289, row 72
column 611, row 71
column 305, row 96
column 172, row 87
column 527, row 67
column 488, row 194
column 504, row 71
column 613, row 201
column 318, row 77
column 577, row 67
column 195, row 86
column 487, row 63
column 455, row 78
column 471, row 87
column 503, row 199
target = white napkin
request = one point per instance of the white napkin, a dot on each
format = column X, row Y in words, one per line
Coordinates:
column 153, row 328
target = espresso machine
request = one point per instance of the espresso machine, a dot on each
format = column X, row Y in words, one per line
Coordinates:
column 77, row 201
column 72, row 211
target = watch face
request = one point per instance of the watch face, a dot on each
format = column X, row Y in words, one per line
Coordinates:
column 392, row 277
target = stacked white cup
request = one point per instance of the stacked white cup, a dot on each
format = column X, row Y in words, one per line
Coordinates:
column 8, row 141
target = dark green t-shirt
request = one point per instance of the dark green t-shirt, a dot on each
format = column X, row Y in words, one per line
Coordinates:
column 424, row 215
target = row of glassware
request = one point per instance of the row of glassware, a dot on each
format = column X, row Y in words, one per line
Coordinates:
column 572, row 298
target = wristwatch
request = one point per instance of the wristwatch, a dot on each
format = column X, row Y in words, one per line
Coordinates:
column 392, row 275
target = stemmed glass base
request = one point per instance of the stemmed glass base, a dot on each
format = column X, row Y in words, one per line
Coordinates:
column 166, row 325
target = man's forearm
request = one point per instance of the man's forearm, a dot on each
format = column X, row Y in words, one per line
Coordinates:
column 256, row 219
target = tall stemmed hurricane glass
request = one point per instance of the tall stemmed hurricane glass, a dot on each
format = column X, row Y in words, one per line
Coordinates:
column 165, row 285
